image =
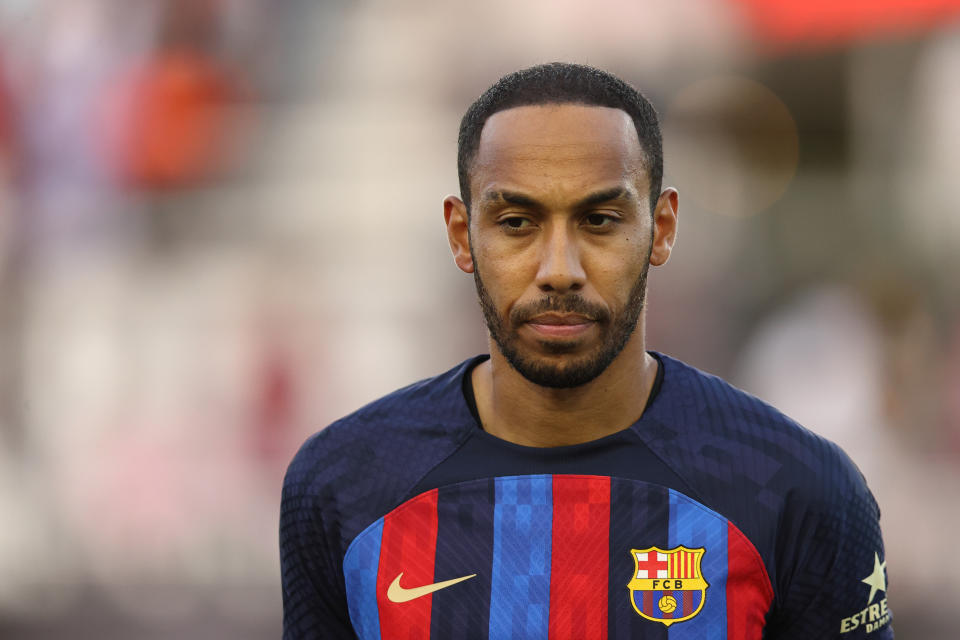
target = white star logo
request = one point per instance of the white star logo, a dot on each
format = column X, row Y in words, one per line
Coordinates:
column 877, row 580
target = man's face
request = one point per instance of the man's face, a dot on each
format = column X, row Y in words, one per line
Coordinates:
column 560, row 238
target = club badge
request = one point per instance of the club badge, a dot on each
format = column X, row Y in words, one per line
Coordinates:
column 667, row 584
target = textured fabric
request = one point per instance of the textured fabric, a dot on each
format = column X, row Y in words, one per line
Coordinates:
column 753, row 526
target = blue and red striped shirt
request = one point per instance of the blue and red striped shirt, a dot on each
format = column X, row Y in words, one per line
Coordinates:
column 713, row 516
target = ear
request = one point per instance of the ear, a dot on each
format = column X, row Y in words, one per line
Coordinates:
column 458, row 232
column 664, row 226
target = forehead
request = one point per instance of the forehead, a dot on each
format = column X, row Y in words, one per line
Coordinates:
column 568, row 146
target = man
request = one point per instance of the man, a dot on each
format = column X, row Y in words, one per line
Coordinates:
column 573, row 484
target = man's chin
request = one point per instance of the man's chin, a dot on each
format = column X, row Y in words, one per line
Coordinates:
column 565, row 348
column 557, row 373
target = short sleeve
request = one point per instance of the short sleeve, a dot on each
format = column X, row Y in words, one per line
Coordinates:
column 834, row 579
column 314, row 601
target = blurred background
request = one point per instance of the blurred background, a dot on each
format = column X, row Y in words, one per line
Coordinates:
column 220, row 229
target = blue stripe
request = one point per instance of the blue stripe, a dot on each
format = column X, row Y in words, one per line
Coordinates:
column 360, row 566
column 693, row 525
column 520, row 580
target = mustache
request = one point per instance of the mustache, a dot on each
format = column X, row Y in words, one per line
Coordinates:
column 573, row 303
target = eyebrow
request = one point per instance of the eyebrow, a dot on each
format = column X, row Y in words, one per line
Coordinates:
column 608, row 195
column 510, row 197
column 521, row 200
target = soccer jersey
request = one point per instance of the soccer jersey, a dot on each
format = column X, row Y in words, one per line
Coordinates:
column 712, row 516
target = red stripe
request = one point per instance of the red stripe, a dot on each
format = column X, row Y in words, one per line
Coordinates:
column 409, row 547
column 688, row 602
column 579, row 557
column 749, row 592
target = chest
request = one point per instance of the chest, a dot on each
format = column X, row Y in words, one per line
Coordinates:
column 555, row 556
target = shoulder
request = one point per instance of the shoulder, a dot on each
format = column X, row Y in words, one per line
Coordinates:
column 363, row 464
column 768, row 474
column 728, row 425
column 798, row 497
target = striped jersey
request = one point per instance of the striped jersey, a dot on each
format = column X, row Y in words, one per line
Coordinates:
column 712, row 516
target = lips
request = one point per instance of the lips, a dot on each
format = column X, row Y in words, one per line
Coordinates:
column 560, row 319
column 560, row 324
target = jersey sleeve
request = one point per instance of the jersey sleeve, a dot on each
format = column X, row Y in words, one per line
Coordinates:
column 314, row 600
column 832, row 566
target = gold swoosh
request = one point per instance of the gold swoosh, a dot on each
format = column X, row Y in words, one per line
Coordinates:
column 396, row 593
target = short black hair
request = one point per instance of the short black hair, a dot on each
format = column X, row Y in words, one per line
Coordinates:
column 561, row 83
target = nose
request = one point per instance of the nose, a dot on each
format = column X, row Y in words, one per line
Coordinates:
column 560, row 269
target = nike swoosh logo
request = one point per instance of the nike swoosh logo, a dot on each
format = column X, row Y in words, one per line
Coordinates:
column 396, row 593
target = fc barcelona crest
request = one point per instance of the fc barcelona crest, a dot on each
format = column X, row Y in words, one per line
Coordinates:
column 667, row 585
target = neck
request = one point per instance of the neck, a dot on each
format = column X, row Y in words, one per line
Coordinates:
column 519, row 411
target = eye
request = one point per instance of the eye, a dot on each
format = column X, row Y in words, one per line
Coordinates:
column 514, row 224
column 599, row 220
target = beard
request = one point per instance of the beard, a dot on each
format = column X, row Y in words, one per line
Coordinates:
column 574, row 371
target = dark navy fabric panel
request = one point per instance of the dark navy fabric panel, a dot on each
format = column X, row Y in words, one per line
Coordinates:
column 837, row 550
column 622, row 454
column 639, row 516
column 464, row 547
column 367, row 462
